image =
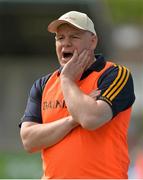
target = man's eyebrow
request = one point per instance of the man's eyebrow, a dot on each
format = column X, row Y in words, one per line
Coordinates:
column 58, row 35
column 78, row 33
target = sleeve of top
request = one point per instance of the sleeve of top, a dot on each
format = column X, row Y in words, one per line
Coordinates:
column 116, row 85
column 33, row 108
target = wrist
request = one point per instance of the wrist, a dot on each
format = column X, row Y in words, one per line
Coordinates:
column 66, row 80
column 65, row 77
column 72, row 123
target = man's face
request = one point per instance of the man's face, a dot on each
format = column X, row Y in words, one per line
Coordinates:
column 69, row 38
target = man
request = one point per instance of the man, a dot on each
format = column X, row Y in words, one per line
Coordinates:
column 78, row 116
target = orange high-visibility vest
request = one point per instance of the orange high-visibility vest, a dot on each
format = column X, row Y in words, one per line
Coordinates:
column 84, row 154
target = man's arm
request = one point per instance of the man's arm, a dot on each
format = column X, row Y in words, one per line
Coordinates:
column 37, row 136
column 88, row 112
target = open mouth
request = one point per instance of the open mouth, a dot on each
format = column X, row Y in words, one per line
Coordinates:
column 67, row 55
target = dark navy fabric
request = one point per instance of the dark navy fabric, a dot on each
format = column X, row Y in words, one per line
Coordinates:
column 125, row 97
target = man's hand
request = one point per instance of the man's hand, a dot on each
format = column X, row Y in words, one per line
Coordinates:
column 94, row 94
column 75, row 67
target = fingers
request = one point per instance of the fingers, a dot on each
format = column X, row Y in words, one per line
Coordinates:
column 75, row 55
column 81, row 60
column 84, row 55
column 95, row 94
column 84, row 58
column 75, row 67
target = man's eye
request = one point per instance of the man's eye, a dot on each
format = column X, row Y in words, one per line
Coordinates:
column 59, row 38
column 76, row 37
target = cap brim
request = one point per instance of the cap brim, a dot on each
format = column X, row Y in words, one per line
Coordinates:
column 52, row 27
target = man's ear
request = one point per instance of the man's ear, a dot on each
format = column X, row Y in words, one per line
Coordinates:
column 94, row 41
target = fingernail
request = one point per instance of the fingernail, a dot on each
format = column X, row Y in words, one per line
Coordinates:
column 76, row 51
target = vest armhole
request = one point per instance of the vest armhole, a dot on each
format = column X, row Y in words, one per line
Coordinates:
column 46, row 78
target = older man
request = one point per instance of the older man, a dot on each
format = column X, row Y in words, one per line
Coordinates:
column 79, row 115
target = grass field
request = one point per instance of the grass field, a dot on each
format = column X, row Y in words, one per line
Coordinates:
column 20, row 165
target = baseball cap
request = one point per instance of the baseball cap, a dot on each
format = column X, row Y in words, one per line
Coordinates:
column 77, row 19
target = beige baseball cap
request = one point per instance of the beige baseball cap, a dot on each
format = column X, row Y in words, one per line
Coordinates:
column 75, row 18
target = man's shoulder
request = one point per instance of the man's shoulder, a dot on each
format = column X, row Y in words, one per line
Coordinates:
column 41, row 82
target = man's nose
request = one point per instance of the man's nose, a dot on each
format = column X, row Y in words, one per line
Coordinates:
column 67, row 42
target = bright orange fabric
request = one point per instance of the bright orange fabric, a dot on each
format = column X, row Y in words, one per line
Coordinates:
column 83, row 154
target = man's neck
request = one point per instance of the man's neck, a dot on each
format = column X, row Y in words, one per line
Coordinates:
column 93, row 61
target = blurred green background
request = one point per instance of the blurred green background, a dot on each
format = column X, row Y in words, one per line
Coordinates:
column 27, row 53
column 126, row 11
column 19, row 165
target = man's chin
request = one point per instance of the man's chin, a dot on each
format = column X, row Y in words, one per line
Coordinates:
column 62, row 64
